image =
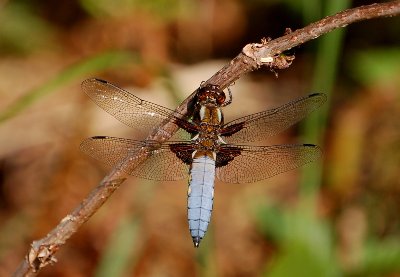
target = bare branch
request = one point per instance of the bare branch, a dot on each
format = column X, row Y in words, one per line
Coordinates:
column 253, row 56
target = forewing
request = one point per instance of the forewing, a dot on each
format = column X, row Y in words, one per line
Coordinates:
column 255, row 163
column 257, row 126
column 161, row 164
column 126, row 107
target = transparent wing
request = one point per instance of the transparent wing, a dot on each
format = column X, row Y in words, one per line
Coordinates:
column 162, row 164
column 126, row 107
column 255, row 163
column 257, row 126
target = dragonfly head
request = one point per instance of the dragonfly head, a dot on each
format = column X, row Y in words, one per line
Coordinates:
column 210, row 95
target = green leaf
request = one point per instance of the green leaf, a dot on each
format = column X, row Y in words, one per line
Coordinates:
column 117, row 257
column 376, row 66
column 70, row 74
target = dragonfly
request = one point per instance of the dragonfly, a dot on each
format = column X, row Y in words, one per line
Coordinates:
column 213, row 149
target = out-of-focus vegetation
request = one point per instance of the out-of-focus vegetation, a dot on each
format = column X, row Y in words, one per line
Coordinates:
column 337, row 217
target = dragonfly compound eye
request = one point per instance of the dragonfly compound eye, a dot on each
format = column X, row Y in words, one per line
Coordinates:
column 221, row 98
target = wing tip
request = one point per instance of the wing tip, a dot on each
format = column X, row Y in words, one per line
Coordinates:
column 310, row 144
column 318, row 149
column 99, row 137
column 92, row 80
column 84, row 144
column 100, row 80
column 323, row 96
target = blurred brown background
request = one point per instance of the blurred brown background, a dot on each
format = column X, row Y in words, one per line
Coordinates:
column 336, row 217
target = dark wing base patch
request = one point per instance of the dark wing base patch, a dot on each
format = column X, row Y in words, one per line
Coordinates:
column 183, row 151
column 226, row 154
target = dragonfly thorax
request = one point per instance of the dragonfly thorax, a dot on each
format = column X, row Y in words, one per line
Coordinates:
column 209, row 121
column 209, row 114
column 208, row 138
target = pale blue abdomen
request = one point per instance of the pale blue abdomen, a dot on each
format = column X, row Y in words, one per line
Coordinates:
column 200, row 196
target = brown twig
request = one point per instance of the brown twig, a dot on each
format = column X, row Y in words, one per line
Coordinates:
column 253, row 56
